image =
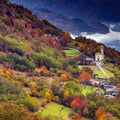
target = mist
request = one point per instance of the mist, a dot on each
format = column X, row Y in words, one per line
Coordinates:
column 103, row 38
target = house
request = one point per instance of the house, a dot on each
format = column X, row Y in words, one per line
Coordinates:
column 93, row 82
column 98, row 92
column 89, row 61
column 100, row 56
column 95, row 76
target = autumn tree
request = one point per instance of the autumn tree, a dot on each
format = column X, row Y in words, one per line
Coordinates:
column 67, row 36
column 84, row 77
column 40, row 32
column 77, row 117
column 88, row 70
column 13, row 111
column 100, row 113
column 81, row 46
column 66, row 94
column 65, row 76
column 85, row 111
column 77, row 105
column 44, row 71
column 48, row 96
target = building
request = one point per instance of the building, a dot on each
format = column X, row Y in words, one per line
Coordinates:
column 100, row 56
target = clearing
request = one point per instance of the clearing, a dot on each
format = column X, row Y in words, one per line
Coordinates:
column 71, row 53
column 96, row 70
column 85, row 89
column 53, row 109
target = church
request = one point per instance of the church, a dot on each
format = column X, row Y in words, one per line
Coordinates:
column 100, row 56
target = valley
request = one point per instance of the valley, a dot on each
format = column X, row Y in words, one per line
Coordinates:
column 45, row 74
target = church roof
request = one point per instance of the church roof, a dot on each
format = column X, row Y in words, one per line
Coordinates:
column 98, row 53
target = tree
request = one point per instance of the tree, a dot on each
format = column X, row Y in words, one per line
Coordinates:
column 100, row 113
column 85, row 111
column 81, row 46
column 48, row 97
column 67, row 36
column 88, row 70
column 78, row 102
column 13, row 111
column 84, row 77
column 66, row 94
column 44, row 71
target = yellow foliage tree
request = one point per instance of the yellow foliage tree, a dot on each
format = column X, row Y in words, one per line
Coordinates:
column 100, row 113
column 66, row 94
column 67, row 36
column 81, row 46
column 48, row 97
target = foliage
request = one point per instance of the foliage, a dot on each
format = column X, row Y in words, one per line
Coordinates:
column 67, row 36
column 19, row 63
column 108, row 104
column 12, row 91
column 72, row 87
column 84, row 77
column 13, row 111
column 42, row 59
column 90, row 46
column 78, row 102
column 8, row 44
column 88, row 70
column 31, row 103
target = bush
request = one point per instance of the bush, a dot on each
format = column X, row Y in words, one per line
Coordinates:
column 13, row 45
column 20, row 63
column 31, row 103
column 42, row 59
column 13, row 111
column 72, row 87
column 10, row 91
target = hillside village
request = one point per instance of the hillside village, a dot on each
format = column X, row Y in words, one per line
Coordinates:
column 47, row 75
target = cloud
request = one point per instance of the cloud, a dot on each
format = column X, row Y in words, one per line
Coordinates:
column 103, row 38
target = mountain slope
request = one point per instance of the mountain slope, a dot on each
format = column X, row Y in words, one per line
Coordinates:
column 72, row 25
column 66, row 23
column 22, row 39
column 100, row 10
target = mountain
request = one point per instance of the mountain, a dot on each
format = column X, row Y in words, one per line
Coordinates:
column 66, row 23
column 100, row 10
column 72, row 25
column 39, row 74
column 80, row 16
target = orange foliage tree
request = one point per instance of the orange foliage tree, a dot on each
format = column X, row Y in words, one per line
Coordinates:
column 84, row 77
column 77, row 102
column 81, row 46
column 100, row 113
column 43, row 70
column 67, row 36
column 66, row 94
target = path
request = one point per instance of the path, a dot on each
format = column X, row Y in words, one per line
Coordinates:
column 98, row 64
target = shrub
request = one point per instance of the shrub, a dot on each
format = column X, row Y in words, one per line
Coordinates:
column 20, row 63
column 13, row 111
column 43, row 59
column 31, row 103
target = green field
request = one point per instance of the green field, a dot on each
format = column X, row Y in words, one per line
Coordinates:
column 96, row 70
column 89, row 89
column 71, row 53
column 53, row 109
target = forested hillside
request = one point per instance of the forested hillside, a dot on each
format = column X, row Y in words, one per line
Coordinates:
column 40, row 79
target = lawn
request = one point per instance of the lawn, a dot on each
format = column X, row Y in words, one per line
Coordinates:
column 89, row 89
column 53, row 109
column 96, row 70
column 71, row 53
column 109, row 73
